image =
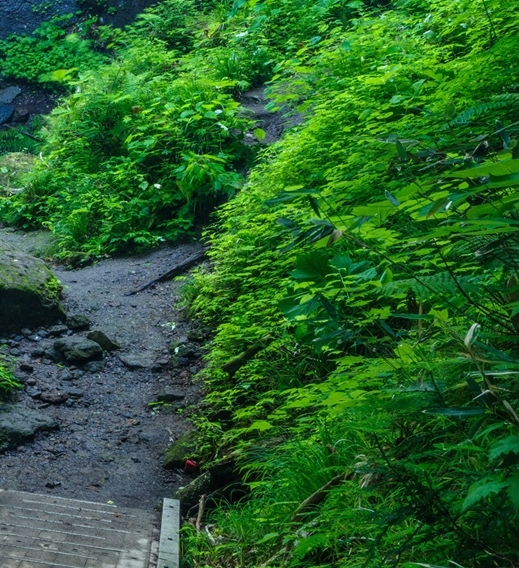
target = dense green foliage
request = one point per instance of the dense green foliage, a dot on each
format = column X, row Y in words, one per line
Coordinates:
column 146, row 145
column 8, row 382
column 373, row 255
column 364, row 283
column 57, row 50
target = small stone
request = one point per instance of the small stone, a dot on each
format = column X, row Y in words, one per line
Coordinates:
column 169, row 396
column 93, row 367
column 31, row 382
column 161, row 362
column 179, row 362
column 175, row 344
column 52, row 484
column 57, row 330
column 76, row 374
column 8, row 94
column 26, row 332
column 76, row 393
column 34, row 337
column 78, row 349
column 196, row 335
column 78, row 322
column 43, row 334
column 53, row 355
column 65, row 375
column 33, row 392
column 37, row 353
column 15, row 352
column 53, row 397
column 103, row 340
column 132, row 362
column 184, row 351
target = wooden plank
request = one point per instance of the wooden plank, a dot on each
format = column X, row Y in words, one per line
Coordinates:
column 42, row 531
column 169, row 538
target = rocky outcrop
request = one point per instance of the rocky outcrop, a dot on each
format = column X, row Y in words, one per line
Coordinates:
column 29, row 292
column 19, row 425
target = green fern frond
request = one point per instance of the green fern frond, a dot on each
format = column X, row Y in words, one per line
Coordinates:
column 498, row 101
column 489, row 248
column 12, row 140
column 442, row 284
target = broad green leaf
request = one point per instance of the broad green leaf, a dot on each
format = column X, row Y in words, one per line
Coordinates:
column 391, row 198
column 450, row 111
column 268, row 536
column 503, row 134
column 288, row 223
column 507, row 445
column 312, row 267
column 293, row 308
column 483, row 489
column 402, row 154
column 313, row 204
column 436, row 206
column 503, row 168
column 327, row 305
column 260, row 426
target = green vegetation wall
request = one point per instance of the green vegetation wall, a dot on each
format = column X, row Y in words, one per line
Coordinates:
column 364, row 279
column 364, row 292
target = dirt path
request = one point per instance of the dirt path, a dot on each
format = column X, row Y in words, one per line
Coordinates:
column 110, row 442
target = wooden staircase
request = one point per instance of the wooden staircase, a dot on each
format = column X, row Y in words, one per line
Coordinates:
column 41, row 531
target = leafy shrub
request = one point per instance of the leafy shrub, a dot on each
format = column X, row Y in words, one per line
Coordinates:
column 51, row 54
column 8, row 381
column 375, row 249
column 169, row 21
column 133, row 157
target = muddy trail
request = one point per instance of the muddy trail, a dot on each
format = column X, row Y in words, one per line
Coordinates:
column 110, row 441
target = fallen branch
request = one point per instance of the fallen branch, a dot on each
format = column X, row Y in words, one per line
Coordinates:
column 234, row 365
column 23, row 132
column 200, row 513
column 317, row 497
column 175, row 271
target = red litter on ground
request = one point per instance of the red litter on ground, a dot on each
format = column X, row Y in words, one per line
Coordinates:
column 191, row 466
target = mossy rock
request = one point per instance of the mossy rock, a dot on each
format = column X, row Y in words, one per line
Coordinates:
column 183, row 449
column 219, row 481
column 29, row 291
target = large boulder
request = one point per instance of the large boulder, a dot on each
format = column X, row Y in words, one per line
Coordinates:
column 29, row 292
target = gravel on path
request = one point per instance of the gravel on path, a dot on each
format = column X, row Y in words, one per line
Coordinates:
column 110, row 442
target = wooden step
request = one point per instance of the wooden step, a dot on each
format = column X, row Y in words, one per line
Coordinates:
column 41, row 531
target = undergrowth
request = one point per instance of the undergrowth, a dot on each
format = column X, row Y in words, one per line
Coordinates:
column 8, row 382
column 371, row 258
column 363, row 288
